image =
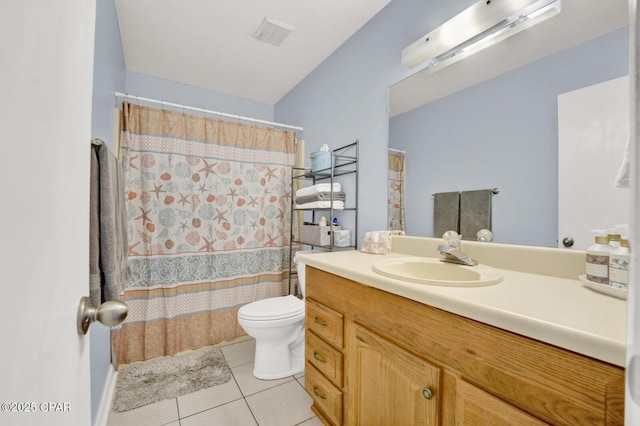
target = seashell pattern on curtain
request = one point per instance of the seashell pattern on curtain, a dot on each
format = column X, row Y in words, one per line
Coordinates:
column 208, row 206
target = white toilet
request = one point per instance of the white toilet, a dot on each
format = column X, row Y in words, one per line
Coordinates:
column 277, row 324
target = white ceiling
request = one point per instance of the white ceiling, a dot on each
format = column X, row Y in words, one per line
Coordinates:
column 210, row 43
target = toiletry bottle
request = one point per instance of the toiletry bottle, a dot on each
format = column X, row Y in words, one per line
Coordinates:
column 619, row 266
column 322, row 221
column 598, row 258
column 614, row 237
column 619, row 262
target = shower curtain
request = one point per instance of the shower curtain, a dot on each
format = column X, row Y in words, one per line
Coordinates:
column 395, row 191
column 208, row 209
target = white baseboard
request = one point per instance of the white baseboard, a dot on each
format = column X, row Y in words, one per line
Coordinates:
column 107, row 398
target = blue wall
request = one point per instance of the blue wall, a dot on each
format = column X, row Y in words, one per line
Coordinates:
column 183, row 94
column 108, row 76
column 345, row 98
column 502, row 133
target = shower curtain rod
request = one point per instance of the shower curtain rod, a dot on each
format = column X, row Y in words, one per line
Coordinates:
column 396, row 150
column 208, row 111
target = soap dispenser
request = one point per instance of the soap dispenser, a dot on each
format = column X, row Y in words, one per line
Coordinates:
column 598, row 258
column 614, row 236
column 619, row 262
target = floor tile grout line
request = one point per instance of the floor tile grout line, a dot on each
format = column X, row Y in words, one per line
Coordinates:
column 228, row 402
column 213, row 408
column 243, row 396
column 306, row 420
column 177, row 408
column 267, row 389
column 262, row 391
column 292, row 377
column 251, row 411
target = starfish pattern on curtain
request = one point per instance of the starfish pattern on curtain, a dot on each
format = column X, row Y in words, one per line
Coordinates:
column 208, row 208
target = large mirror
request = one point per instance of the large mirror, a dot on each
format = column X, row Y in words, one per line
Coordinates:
column 491, row 120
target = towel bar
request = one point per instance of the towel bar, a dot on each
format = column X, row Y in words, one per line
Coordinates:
column 494, row 191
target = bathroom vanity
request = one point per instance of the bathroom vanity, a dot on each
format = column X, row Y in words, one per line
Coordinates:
column 533, row 349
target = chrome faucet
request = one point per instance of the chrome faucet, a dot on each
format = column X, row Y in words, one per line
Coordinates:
column 455, row 255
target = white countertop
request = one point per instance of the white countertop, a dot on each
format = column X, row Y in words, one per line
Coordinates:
column 558, row 311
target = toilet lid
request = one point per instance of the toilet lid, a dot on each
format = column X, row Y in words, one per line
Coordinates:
column 272, row 308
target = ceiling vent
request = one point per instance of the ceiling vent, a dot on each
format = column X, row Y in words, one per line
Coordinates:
column 272, row 31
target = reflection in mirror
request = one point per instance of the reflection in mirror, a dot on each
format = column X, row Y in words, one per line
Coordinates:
column 502, row 132
column 395, row 213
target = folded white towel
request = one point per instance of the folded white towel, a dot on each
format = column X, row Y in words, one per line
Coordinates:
column 337, row 205
column 320, row 187
column 622, row 179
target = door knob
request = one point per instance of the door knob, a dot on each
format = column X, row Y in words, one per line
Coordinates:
column 567, row 241
column 110, row 313
column 426, row 392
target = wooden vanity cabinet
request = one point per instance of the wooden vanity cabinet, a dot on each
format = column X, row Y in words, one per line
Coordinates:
column 473, row 406
column 391, row 360
column 324, row 337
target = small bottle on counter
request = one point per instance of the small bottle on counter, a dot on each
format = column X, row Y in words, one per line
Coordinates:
column 322, row 221
column 598, row 258
column 614, row 237
column 619, row 262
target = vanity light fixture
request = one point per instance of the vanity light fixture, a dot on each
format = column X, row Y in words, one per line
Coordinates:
column 481, row 25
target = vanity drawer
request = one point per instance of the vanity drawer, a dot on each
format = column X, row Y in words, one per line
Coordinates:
column 325, row 322
column 325, row 358
column 326, row 397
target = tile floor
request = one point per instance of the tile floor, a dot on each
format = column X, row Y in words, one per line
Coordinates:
column 243, row 400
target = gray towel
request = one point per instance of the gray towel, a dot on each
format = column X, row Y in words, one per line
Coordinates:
column 109, row 271
column 446, row 207
column 475, row 212
column 321, row 196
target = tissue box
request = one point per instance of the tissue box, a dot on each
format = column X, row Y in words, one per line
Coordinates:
column 316, row 235
column 378, row 242
column 342, row 238
column 320, row 160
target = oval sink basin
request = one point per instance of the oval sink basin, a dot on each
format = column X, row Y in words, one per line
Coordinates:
column 433, row 271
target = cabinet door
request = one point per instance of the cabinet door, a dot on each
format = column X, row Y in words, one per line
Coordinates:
column 387, row 385
column 473, row 406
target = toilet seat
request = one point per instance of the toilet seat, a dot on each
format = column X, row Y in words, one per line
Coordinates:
column 273, row 308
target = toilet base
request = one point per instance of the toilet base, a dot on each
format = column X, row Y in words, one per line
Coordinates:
column 297, row 366
column 276, row 361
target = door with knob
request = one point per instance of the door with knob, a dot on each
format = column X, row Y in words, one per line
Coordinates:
column 44, row 255
column 593, row 127
column 110, row 313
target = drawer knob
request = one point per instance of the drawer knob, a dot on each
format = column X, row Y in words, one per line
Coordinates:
column 319, row 321
column 426, row 392
column 318, row 357
column 318, row 393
